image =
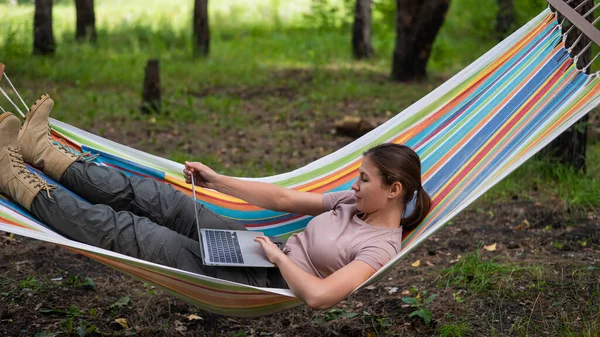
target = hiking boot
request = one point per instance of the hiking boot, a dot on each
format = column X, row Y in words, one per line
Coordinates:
column 38, row 147
column 16, row 181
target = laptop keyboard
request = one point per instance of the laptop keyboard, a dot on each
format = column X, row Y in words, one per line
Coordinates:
column 223, row 246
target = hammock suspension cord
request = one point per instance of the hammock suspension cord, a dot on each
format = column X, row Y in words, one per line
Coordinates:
column 3, row 75
column 580, row 36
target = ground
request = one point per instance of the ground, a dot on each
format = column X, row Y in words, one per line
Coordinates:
column 541, row 278
column 524, row 265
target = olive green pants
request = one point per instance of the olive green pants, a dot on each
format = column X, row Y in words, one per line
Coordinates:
column 139, row 217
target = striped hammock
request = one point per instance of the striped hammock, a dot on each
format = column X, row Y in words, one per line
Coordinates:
column 470, row 133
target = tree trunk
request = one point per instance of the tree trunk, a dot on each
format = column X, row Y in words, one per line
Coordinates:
column 570, row 147
column 43, row 38
column 361, row 31
column 86, row 20
column 201, row 30
column 505, row 18
column 151, row 97
column 417, row 24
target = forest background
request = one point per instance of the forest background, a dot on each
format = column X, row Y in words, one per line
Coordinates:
column 266, row 100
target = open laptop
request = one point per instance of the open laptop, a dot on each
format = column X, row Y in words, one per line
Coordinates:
column 221, row 247
column 235, row 248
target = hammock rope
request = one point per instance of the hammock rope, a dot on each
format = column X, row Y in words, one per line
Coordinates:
column 3, row 75
column 470, row 133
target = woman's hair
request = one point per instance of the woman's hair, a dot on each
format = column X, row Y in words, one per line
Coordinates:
column 400, row 163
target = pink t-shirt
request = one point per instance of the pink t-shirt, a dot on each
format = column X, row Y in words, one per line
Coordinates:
column 337, row 237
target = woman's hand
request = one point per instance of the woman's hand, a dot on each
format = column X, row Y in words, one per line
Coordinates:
column 271, row 250
column 204, row 176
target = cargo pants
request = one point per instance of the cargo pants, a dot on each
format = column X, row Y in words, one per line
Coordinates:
column 141, row 218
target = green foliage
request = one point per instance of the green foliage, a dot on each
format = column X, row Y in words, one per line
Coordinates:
column 73, row 323
column 252, row 44
column 80, row 282
column 29, row 283
column 578, row 191
column 420, row 302
column 474, row 273
column 121, row 302
column 119, row 305
column 457, row 329
column 332, row 315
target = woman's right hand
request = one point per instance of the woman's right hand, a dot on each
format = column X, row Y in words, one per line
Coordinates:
column 204, row 176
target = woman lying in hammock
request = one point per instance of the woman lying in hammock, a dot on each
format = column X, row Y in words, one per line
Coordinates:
column 353, row 234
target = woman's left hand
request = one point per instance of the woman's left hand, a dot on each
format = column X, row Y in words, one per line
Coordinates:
column 271, row 250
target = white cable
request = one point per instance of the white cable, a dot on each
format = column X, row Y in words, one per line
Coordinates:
column 565, row 34
column 581, row 4
column 11, row 102
column 591, row 10
column 16, row 92
column 195, row 207
column 1, row 108
column 589, row 64
column 584, row 49
column 575, row 43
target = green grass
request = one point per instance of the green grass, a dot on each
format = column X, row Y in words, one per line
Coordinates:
column 475, row 273
column 457, row 329
column 256, row 46
column 540, row 177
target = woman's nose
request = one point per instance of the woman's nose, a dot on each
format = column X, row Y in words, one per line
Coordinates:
column 355, row 185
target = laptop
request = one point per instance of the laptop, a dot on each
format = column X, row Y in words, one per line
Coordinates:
column 233, row 248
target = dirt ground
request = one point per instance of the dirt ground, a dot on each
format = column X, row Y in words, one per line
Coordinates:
column 554, row 289
column 548, row 282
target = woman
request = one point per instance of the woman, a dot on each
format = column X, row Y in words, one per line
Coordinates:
column 353, row 233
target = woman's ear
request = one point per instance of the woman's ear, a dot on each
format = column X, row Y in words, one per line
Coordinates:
column 395, row 190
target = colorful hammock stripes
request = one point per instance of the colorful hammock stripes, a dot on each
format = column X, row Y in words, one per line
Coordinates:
column 470, row 133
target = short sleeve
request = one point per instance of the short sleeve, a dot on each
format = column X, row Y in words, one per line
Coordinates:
column 333, row 199
column 377, row 256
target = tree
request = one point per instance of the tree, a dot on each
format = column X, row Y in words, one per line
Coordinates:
column 570, row 147
column 505, row 18
column 201, row 30
column 361, row 31
column 43, row 37
column 86, row 20
column 417, row 24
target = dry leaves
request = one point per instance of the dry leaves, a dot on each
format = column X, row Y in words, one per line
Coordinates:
column 194, row 318
column 490, row 248
column 122, row 322
column 416, row 263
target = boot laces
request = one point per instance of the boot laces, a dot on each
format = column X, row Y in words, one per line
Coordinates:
column 30, row 177
column 64, row 147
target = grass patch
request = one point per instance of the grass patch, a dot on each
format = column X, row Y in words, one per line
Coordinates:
column 473, row 272
column 540, row 177
column 456, row 329
column 266, row 67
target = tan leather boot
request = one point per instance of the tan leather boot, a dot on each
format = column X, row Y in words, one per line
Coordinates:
column 36, row 143
column 16, row 181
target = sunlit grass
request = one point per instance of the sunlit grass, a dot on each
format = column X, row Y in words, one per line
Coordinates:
column 254, row 44
column 551, row 180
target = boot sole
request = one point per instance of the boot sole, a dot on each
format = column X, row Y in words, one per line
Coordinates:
column 32, row 112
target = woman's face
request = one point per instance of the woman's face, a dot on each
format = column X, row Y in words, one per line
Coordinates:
column 370, row 192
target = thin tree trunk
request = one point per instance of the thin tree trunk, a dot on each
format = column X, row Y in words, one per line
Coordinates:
column 417, row 24
column 86, row 20
column 201, row 28
column 361, row 31
column 43, row 38
column 505, row 18
column 570, row 147
column 151, row 96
